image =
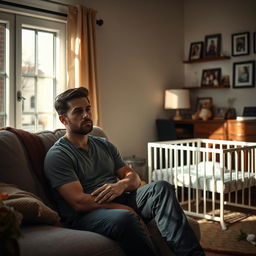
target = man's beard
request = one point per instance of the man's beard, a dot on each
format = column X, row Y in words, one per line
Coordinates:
column 83, row 129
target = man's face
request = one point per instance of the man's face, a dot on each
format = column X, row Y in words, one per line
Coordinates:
column 78, row 119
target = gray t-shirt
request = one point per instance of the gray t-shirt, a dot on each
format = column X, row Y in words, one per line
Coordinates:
column 66, row 162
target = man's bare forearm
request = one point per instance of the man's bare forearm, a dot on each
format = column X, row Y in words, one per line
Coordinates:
column 131, row 181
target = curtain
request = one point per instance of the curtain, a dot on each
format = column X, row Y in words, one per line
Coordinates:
column 81, row 53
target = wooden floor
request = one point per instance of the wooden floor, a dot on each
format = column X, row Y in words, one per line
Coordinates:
column 213, row 254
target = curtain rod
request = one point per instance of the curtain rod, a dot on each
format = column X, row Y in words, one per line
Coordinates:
column 98, row 22
column 55, row 2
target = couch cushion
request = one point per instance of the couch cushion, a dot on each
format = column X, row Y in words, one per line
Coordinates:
column 49, row 137
column 33, row 210
column 14, row 164
column 57, row 241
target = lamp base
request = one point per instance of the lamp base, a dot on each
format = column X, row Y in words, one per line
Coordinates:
column 177, row 115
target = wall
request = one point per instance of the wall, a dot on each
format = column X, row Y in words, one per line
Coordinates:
column 205, row 17
column 140, row 51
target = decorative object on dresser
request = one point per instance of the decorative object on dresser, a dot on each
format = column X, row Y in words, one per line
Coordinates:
column 203, row 109
column 230, row 114
column 243, row 74
column 220, row 113
column 196, row 51
column 231, row 111
column 249, row 111
column 211, row 77
column 212, row 45
column 177, row 99
column 240, row 44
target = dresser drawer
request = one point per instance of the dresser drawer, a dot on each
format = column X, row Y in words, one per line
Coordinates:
column 210, row 130
column 242, row 131
column 212, row 136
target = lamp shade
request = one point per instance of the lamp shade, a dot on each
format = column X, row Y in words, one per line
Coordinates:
column 177, row 99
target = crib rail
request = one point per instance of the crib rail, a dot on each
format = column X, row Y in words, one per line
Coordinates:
column 204, row 170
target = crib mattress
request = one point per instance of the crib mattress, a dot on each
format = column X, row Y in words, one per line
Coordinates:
column 232, row 181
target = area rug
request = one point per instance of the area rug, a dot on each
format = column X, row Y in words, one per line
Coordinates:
column 218, row 241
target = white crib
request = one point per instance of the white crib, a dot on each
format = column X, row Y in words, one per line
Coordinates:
column 206, row 172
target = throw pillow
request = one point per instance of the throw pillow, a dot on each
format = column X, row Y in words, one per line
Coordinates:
column 32, row 208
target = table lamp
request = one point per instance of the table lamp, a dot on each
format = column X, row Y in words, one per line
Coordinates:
column 177, row 99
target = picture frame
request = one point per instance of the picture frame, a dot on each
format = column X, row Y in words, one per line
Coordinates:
column 249, row 111
column 225, row 81
column 196, row 51
column 254, row 42
column 240, row 44
column 243, row 74
column 201, row 100
column 212, row 45
column 220, row 113
column 211, row 77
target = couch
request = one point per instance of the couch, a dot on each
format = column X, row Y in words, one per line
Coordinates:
column 44, row 235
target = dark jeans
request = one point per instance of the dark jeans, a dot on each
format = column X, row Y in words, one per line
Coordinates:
column 156, row 200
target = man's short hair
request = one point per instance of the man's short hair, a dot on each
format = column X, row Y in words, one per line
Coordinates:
column 61, row 101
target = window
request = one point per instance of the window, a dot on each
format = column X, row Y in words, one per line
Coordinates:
column 2, row 74
column 27, row 94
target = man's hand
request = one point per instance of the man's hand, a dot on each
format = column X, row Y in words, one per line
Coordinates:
column 128, row 181
column 108, row 192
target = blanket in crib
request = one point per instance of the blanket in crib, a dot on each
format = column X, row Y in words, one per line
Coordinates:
column 206, row 175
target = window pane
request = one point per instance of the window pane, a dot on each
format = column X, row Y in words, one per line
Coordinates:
column 45, row 95
column 2, row 120
column 28, row 51
column 28, row 92
column 2, row 94
column 2, row 47
column 2, row 75
column 28, row 123
column 45, row 53
column 45, row 122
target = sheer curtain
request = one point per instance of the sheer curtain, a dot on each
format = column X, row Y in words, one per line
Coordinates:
column 81, row 53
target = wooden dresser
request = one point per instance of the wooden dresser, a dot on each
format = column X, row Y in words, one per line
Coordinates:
column 217, row 129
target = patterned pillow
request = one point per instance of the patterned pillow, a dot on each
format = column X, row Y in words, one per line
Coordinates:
column 32, row 208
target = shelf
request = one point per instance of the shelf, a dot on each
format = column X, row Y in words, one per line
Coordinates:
column 220, row 86
column 207, row 59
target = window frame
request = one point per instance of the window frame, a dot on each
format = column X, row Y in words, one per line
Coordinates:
column 15, row 23
column 9, row 20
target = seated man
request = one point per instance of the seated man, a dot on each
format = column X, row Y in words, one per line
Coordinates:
column 96, row 191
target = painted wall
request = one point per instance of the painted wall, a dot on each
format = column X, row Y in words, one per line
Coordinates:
column 205, row 17
column 140, row 52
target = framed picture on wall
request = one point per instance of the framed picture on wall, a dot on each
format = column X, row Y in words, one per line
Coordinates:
column 212, row 45
column 196, row 51
column 240, row 44
column 211, row 77
column 243, row 74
